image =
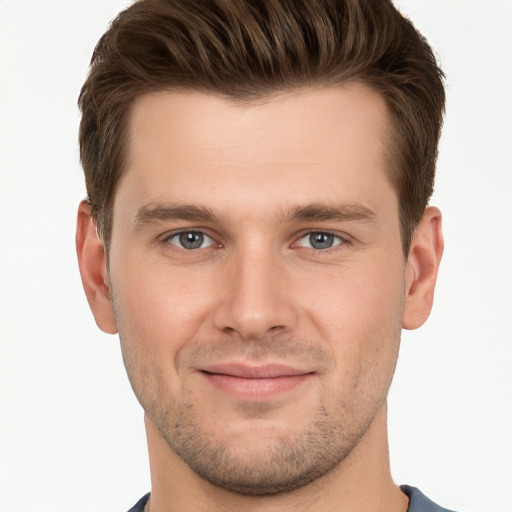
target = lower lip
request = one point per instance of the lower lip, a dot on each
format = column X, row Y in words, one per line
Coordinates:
column 256, row 389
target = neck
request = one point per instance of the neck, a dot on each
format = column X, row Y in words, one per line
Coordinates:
column 361, row 482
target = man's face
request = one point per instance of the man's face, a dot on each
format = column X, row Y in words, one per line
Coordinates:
column 257, row 277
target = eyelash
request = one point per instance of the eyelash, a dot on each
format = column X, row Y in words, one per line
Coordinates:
column 167, row 240
column 343, row 241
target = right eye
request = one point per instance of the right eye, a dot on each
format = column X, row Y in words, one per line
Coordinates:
column 190, row 240
column 320, row 240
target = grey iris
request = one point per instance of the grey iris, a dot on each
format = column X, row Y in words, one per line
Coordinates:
column 191, row 240
column 321, row 240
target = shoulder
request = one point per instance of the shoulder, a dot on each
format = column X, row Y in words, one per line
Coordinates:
column 139, row 506
column 418, row 502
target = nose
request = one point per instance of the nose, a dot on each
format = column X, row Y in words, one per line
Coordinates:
column 255, row 298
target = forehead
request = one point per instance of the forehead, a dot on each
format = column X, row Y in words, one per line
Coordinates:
column 329, row 143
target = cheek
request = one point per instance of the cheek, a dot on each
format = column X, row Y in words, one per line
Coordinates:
column 359, row 315
column 158, row 313
column 159, row 308
column 358, row 297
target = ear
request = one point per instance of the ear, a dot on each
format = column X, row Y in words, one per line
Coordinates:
column 93, row 269
column 421, row 269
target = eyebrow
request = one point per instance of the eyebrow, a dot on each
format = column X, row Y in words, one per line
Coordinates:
column 315, row 212
column 319, row 212
column 151, row 213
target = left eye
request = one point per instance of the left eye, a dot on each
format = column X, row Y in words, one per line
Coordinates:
column 191, row 240
column 320, row 240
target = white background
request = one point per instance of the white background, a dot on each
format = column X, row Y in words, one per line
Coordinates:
column 71, row 434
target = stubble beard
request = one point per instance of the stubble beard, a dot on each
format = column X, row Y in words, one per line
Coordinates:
column 276, row 465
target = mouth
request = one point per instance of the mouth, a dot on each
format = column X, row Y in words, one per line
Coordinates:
column 250, row 382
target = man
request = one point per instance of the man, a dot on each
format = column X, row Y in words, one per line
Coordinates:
column 257, row 230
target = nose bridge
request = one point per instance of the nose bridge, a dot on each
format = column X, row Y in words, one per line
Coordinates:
column 257, row 301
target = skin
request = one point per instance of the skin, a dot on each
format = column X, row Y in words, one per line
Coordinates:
column 262, row 362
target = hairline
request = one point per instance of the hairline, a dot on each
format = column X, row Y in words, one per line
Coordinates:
column 391, row 151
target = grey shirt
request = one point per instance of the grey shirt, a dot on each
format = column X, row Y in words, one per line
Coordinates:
column 418, row 502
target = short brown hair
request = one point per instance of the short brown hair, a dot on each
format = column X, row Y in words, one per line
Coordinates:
column 245, row 49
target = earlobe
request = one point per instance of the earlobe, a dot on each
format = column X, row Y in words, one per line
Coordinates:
column 421, row 269
column 93, row 269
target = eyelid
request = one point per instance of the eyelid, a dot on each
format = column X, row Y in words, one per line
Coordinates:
column 344, row 239
column 167, row 237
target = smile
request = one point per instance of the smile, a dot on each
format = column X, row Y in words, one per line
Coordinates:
column 255, row 382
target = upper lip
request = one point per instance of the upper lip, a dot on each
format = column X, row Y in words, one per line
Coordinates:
column 251, row 371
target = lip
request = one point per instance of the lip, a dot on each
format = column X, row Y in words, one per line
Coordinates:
column 255, row 382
